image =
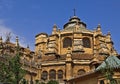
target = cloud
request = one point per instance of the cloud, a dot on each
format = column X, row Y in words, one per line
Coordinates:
column 4, row 30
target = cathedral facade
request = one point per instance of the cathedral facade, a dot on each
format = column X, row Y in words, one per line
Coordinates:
column 66, row 53
column 72, row 51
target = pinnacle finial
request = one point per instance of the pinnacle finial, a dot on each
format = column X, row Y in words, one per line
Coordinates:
column 8, row 36
column 74, row 11
column 54, row 26
column 54, row 29
column 17, row 41
column 1, row 39
column 108, row 33
column 28, row 46
column 99, row 26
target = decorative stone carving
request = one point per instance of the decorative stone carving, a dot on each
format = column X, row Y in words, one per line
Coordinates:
column 52, row 47
column 103, row 49
column 77, row 42
column 78, row 45
column 51, row 44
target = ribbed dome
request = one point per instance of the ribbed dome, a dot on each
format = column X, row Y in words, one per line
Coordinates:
column 72, row 22
column 74, row 18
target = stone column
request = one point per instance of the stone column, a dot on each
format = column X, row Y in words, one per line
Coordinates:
column 68, row 64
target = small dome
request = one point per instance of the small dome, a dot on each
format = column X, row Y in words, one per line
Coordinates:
column 72, row 22
column 74, row 18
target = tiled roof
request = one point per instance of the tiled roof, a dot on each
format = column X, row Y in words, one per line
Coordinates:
column 83, row 76
column 110, row 62
column 79, row 30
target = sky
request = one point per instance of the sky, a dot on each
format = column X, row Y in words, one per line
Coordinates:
column 26, row 18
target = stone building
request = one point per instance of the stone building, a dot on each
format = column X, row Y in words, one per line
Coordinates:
column 66, row 53
column 72, row 51
column 108, row 71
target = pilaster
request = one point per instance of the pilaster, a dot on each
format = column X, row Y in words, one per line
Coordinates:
column 68, row 64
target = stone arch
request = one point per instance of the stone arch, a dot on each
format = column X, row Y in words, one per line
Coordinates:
column 52, row 74
column 67, row 42
column 86, row 42
column 60, row 74
column 81, row 71
column 44, row 75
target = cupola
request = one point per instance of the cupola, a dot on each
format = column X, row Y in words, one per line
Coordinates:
column 72, row 22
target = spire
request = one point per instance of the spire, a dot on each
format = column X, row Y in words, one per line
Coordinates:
column 54, row 26
column 8, row 36
column 109, row 34
column 17, row 41
column 99, row 26
column 1, row 39
column 54, row 29
column 99, row 29
column 74, row 11
column 28, row 46
column 108, row 37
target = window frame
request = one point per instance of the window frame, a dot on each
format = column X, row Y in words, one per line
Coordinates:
column 81, row 71
column 86, row 42
column 60, row 74
column 44, row 75
column 52, row 74
column 67, row 42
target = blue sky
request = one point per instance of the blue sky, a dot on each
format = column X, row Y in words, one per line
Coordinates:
column 26, row 18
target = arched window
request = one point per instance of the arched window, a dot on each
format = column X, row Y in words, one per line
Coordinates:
column 44, row 75
column 81, row 71
column 67, row 42
column 52, row 74
column 86, row 42
column 60, row 74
